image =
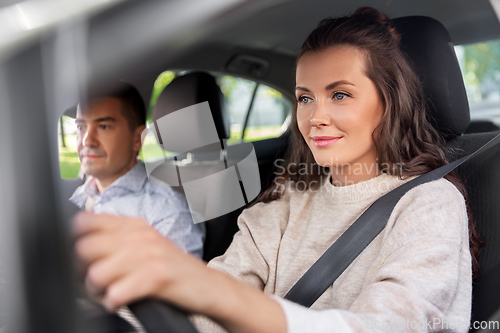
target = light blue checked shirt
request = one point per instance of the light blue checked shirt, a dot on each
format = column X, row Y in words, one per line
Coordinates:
column 134, row 195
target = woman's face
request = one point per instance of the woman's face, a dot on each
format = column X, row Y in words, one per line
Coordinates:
column 338, row 108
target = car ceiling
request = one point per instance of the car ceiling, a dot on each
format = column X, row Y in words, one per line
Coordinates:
column 283, row 25
column 275, row 32
column 123, row 44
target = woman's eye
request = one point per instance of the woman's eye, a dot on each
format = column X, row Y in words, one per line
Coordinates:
column 340, row 96
column 304, row 99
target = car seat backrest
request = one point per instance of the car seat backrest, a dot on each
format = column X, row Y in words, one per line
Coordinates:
column 481, row 126
column 430, row 50
column 182, row 92
column 190, row 89
column 428, row 46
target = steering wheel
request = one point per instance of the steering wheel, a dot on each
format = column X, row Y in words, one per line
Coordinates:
column 155, row 316
column 161, row 317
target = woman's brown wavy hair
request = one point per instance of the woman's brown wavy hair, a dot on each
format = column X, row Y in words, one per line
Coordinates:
column 405, row 137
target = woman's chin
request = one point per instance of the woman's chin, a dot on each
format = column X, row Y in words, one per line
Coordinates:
column 329, row 163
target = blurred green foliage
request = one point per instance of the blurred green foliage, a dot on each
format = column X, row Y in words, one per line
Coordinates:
column 482, row 62
column 161, row 82
column 69, row 163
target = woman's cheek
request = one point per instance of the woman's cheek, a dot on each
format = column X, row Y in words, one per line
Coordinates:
column 303, row 127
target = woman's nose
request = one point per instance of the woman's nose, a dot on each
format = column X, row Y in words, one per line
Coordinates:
column 320, row 116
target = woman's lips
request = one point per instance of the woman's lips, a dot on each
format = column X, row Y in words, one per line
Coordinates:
column 323, row 141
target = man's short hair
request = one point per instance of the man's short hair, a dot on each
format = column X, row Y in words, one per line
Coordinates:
column 133, row 108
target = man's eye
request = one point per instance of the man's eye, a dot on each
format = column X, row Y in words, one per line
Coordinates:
column 340, row 96
column 102, row 126
column 79, row 127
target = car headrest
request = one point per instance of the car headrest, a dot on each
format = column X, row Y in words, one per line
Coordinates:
column 190, row 89
column 428, row 47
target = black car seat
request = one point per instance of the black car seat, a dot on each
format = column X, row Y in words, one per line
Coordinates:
column 428, row 46
column 184, row 91
column 481, row 126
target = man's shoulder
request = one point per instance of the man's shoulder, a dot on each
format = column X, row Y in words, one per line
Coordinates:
column 79, row 196
column 160, row 190
column 165, row 202
column 155, row 187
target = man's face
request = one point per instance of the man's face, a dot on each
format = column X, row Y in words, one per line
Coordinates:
column 107, row 147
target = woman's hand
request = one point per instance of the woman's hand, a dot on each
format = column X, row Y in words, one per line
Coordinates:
column 127, row 260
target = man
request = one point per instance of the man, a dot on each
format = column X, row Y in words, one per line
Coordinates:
column 109, row 139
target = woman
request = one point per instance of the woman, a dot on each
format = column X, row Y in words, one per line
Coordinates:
column 360, row 116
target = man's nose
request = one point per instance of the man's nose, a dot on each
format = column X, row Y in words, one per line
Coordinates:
column 321, row 115
column 90, row 138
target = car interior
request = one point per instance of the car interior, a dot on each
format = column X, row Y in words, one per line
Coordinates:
column 87, row 48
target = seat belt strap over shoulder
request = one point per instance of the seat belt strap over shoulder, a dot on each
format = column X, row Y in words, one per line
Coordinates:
column 360, row 234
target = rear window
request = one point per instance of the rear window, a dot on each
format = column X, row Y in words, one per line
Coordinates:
column 480, row 64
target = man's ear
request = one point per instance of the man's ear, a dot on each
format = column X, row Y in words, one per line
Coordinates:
column 138, row 137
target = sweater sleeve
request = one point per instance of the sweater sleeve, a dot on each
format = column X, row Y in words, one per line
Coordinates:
column 251, row 254
column 421, row 281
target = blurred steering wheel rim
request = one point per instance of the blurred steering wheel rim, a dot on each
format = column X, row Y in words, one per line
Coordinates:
column 160, row 317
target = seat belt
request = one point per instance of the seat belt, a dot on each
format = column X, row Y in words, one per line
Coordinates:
column 323, row 273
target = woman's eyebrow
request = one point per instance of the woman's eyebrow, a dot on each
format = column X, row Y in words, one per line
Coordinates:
column 302, row 88
column 336, row 83
column 328, row 87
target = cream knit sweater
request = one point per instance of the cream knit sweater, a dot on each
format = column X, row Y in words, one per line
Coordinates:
column 414, row 276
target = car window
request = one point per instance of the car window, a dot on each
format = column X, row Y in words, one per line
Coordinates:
column 161, row 82
column 150, row 150
column 269, row 114
column 480, row 64
column 69, row 163
column 256, row 111
column 238, row 94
